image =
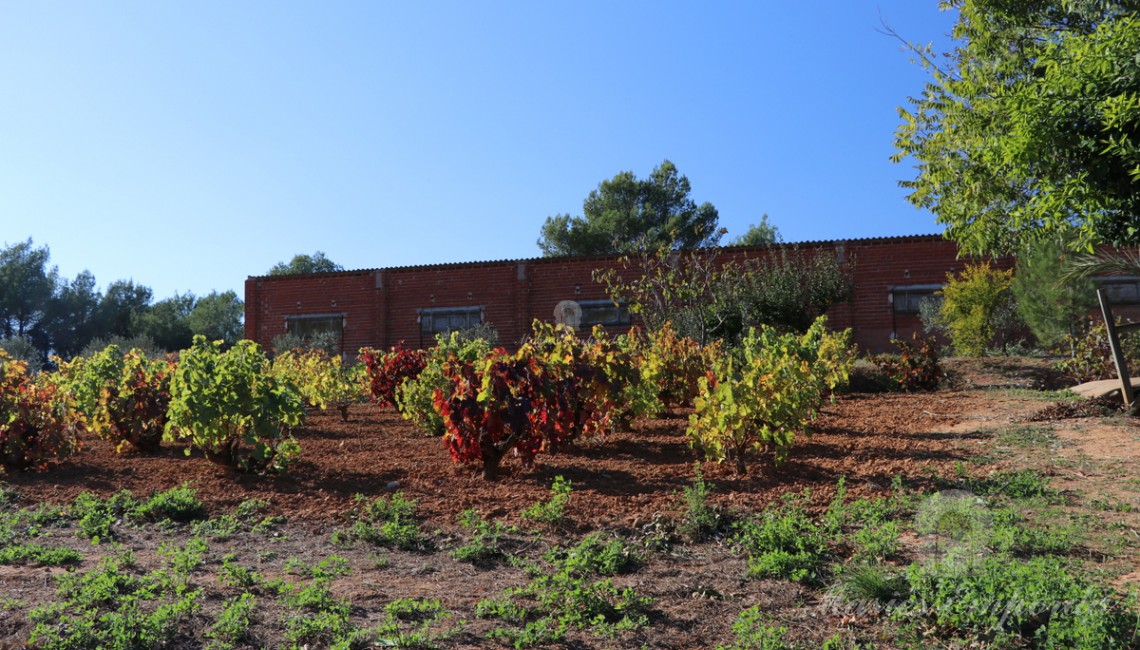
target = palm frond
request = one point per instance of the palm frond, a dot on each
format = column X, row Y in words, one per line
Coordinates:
column 1103, row 263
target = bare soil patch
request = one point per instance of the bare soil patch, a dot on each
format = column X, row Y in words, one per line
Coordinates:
column 620, row 480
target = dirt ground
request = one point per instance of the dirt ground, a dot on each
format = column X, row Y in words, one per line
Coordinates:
column 618, row 480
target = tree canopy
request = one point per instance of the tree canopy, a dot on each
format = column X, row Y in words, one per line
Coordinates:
column 626, row 214
column 1030, row 126
column 42, row 312
column 758, row 234
column 301, row 264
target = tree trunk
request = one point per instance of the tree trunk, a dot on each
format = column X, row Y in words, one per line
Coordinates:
column 491, row 464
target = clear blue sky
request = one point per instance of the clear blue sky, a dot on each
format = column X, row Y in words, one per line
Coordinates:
column 190, row 145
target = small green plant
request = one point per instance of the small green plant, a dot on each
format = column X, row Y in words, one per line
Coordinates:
column 180, row 504
column 701, row 519
column 414, row 623
column 232, row 627
column 235, row 575
column 488, row 540
column 566, row 595
column 97, row 517
column 552, row 512
column 1037, row 600
column 878, row 541
column 112, row 607
column 389, row 522
column 785, row 543
column 39, row 555
column 318, row 618
column 754, row 632
column 596, row 553
column 184, row 559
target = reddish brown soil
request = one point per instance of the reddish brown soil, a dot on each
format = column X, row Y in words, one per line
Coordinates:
column 617, row 481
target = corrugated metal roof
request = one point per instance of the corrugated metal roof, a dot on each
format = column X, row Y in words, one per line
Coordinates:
column 555, row 260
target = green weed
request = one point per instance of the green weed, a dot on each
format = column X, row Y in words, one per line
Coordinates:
column 552, row 512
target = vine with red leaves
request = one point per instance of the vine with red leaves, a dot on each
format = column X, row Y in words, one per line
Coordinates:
column 37, row 426
column 495, row 406
column 388, row 370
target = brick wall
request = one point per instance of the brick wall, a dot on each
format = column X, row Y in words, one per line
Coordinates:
column 380, row 306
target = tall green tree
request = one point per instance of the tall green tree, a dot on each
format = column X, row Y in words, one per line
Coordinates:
column 167, row 322
column 302, row 264
column 27, row 285
column 71, row 317
column 218, row 317
column 123, row 305
column 1052, row 304
column 626, row 214
column 758, row 234
column 1030, row 126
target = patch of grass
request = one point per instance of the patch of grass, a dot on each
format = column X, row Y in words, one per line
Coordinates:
column 1010, row 602
column 39, row 555
column 389, row 522
column 1063, row 395
column 1018, row 485
column 1027, row 436
column 754, row 632
column 552, row 512
column 869, row 582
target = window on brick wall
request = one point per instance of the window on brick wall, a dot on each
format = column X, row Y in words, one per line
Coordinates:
column 308, row 327
column 906, row 300
column 603, row 312
column 1122, row 290
column 448, row 319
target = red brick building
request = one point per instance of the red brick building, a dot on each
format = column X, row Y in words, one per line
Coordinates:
column 383, row 306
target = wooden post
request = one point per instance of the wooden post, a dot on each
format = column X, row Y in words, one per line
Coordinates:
column 1117, row 352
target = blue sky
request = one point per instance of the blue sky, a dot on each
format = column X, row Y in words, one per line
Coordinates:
column 190, row 145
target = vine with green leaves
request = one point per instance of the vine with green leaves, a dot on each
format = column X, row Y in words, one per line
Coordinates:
column 229, row 405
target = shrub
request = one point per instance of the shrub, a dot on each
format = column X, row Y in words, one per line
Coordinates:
column 124, row 397
column 915, row 367
column 585, row 378
column 1089, row 355
column 230, row 406
column 323, row 381
column 386, row 371
column 1052, row 308
column 675, row 365
column 37, row 425
column 765, row 392
column 976, row 308
column 415, row 396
